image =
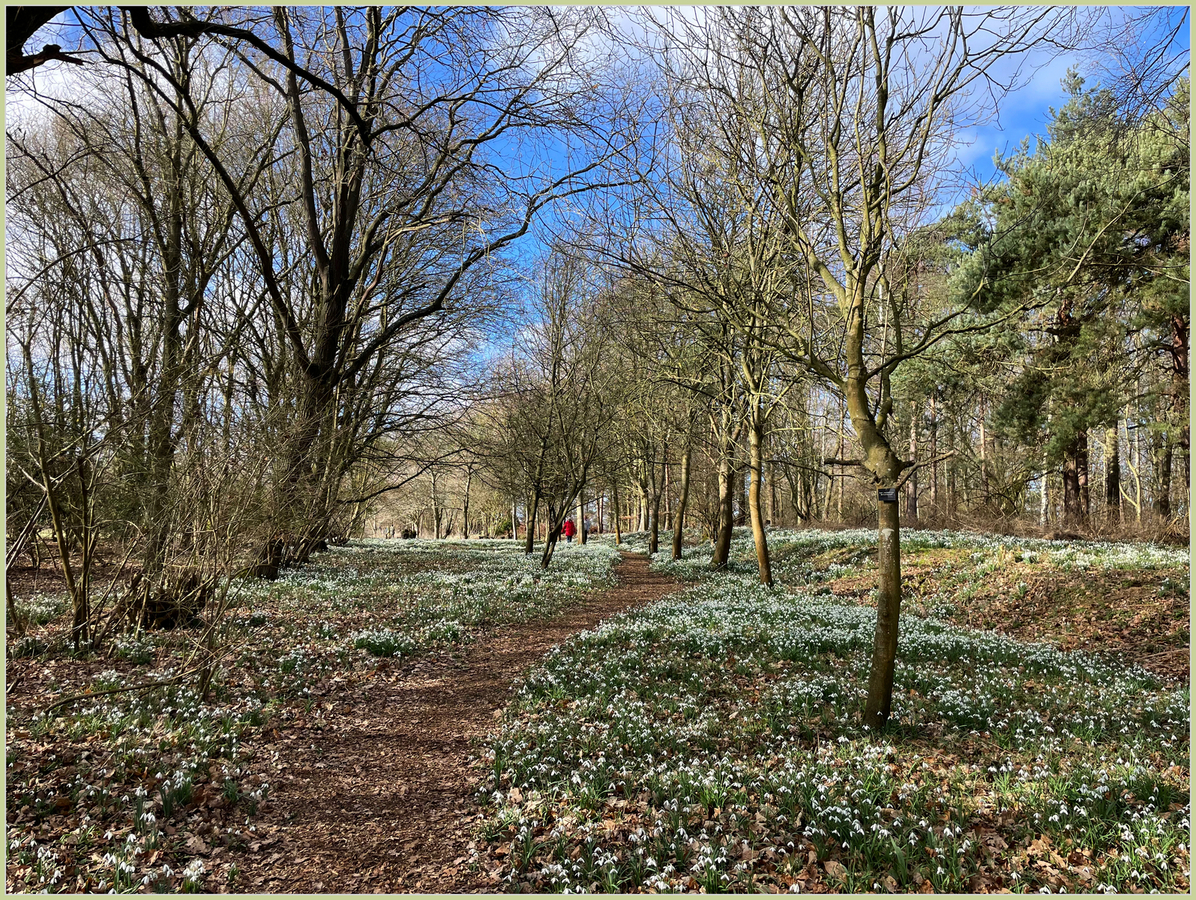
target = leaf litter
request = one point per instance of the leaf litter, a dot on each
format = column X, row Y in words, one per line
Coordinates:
column 724, row 756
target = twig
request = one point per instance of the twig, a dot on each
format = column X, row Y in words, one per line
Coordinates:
column 107, row 593
column 128, row 689
column 842, row 462
column 18, row 546
column 921, row 465
column 1171, row 652
column 209, row 660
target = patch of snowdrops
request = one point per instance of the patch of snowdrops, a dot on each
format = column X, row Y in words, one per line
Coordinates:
column 713, row 742
column 792, row 549
column 100, row 791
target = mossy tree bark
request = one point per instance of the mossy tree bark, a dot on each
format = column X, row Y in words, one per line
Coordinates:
column 888, row 611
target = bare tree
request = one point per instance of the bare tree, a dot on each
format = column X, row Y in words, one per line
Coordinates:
column 557, row 394
column 397, row 122
column 851, row 112
column 712, row 242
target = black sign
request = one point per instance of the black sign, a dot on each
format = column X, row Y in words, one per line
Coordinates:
column 887, row 495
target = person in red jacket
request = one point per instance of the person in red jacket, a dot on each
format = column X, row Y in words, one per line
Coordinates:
column 570, row 529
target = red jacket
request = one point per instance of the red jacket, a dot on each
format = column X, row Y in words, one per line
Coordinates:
column 570, row 529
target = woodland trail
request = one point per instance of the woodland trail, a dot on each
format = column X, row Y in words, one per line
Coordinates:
column 378, row 796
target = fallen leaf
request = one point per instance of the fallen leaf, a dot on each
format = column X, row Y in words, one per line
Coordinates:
column 834, row 869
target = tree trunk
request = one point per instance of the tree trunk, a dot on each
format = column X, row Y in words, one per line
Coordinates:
column 529, row 544
column 654, row 536
column 888, row 608
column 803, row 498
column 842, row 480
column 1043, row 501
column 886, row 467
column 1112, row 476
column 934, row 452
column 549, row 547
column 614, row 496
column 772, row 518
column 1136, row 458
column 581, row 517
column 682, row 500
column 1180, row 397
column 1082, row 474
column 952, row 472
column 80, row 629
column 911, row 486
column 308, row 459
column 756, row 460
column 465, row 504
column 825, row 512
column 741, row 501
column 1075, row 476
column 178, row 311
column 642, row 524
column 437, row 512
column 983, row 455
column 722, row 540
column 1161, row 445
column 556, row 519
column 668, row 495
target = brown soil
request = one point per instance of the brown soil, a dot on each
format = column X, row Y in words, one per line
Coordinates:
column 1138, row 616
column 380, row 797
column 26, row 581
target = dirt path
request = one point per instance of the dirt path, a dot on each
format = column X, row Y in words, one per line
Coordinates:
column 380, row 798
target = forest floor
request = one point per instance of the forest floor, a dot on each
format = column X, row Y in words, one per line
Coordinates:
column 1037, row 740
column 348, row 774
column 394, row 718
column 1140, row 616
column 382, row 797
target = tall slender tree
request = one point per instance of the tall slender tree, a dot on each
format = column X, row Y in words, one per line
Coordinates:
column 850, row 118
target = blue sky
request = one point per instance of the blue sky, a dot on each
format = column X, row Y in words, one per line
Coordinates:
column 1027, row 111
column 1024, row 113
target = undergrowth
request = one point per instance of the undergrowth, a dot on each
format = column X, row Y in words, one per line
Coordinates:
column 713, row 742
column 124, row 791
